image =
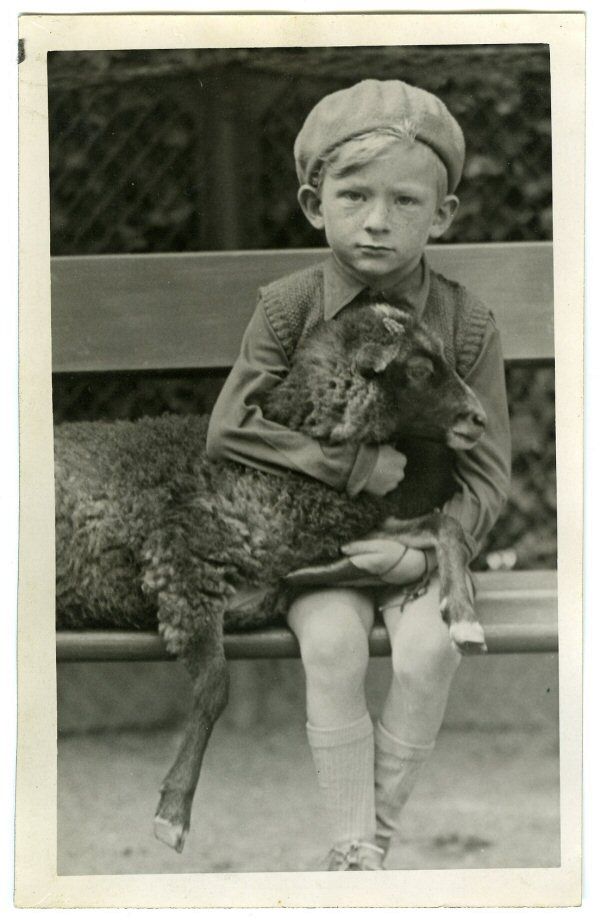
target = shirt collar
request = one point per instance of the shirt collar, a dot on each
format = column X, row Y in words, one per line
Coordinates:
column 341, row 288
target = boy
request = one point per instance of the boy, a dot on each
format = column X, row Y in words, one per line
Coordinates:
column 378, row 166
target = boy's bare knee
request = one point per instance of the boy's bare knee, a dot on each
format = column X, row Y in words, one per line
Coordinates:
column 332, row 630
column 336, row 652
column 420, row 656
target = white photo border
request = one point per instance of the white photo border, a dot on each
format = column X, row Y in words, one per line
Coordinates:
column 37, row 883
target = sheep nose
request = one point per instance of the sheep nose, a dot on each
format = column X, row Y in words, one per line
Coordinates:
column 479, row 418
column 475, row 417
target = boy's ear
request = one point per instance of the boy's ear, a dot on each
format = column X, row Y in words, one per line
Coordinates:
column 445, row 214
column 310, row 202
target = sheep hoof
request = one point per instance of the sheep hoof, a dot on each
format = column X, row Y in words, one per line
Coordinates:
column 468, row 637
column 172, row 834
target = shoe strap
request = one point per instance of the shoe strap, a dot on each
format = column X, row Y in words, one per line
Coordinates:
column 350, row 854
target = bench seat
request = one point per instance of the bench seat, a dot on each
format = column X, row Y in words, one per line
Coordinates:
column 518, row 611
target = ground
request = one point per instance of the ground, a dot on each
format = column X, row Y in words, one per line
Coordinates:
column 487, row 799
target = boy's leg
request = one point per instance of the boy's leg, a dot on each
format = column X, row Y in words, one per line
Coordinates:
column 332, row 627
column 424, row 661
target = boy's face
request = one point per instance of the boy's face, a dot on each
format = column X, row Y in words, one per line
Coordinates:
column 379, row 216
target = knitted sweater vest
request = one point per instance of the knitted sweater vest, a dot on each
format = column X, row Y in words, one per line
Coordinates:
column 294, row 307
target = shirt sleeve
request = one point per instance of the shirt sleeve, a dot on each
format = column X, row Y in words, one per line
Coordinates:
column 483, row 473
column 239, row 431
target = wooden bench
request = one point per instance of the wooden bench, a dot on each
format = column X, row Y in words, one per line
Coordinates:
column 188, row 311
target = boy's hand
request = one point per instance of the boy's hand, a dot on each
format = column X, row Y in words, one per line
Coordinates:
column 388, row 471
column 393, row 562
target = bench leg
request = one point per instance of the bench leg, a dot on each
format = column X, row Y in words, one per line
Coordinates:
column 211, row 680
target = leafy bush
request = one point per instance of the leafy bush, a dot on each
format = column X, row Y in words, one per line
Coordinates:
column 139, row 139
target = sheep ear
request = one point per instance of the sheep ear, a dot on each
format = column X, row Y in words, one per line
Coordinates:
column 373, row 358
column 395, row 328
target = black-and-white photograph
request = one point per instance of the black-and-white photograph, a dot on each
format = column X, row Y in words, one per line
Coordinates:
column 303, row 398
column 359, row 430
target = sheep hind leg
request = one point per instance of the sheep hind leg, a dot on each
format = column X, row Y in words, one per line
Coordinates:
column 208, row 669
column 445, row 535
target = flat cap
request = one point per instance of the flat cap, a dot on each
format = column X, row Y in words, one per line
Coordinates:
column 374, row 104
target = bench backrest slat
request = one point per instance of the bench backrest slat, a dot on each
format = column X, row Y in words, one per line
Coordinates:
column 170, row 311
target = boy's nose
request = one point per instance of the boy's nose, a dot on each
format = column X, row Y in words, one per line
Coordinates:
column 378, row 217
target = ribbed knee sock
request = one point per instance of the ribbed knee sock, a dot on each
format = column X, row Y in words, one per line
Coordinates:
column 343, row 760
column 397, row 768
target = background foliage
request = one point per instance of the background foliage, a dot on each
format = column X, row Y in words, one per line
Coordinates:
column 191, row 150
column 139, row 137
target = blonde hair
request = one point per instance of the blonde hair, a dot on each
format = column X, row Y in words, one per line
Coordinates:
column 367, row 146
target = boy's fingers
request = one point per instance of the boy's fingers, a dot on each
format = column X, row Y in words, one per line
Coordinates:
column 362, row 546
column 371, row 546
column 369, row 563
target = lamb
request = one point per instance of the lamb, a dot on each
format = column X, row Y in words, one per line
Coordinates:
column 149, row 531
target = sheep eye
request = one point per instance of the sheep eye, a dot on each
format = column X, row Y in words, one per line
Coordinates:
column 419, row 369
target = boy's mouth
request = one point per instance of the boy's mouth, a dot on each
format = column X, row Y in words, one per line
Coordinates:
column 370, row 247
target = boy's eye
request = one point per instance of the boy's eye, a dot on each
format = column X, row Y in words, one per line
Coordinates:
column 405, row 199
column 352, row 195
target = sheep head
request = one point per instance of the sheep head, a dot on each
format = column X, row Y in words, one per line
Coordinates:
column 371, row 375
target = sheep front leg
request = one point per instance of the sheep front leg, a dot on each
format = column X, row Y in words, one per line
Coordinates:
column 445, row 535
column 208, row 669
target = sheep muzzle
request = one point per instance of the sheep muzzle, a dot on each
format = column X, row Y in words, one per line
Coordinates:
column 468, row 425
